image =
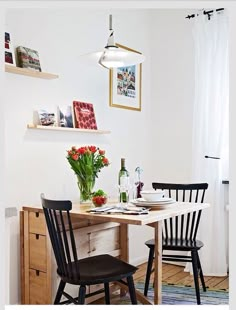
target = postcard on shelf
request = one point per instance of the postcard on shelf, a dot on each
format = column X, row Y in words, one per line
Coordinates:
column 46, row 118
column 9, row 52
column 84, row 115
column 65, row 116
column 28, row 58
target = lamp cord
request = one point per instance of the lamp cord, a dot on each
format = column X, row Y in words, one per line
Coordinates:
column 110, row 22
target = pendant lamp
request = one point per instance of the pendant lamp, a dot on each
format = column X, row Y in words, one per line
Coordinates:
column 114, row 56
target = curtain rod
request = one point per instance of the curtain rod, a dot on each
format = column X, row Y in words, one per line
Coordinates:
column 205, row 13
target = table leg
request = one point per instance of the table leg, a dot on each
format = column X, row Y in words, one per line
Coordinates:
column 124, row 248
column 158, row 263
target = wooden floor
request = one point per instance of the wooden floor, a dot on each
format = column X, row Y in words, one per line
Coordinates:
column 172, row 274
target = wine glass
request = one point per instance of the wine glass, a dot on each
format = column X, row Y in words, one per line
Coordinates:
column 124, row 191
column 133, row 184
column 139, row 184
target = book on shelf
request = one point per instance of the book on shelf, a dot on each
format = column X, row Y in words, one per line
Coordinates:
column 65, row 116
column 84, row 115
column 28, row 58
column 46, row 118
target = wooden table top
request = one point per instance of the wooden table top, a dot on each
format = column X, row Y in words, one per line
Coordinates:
column 155, row 214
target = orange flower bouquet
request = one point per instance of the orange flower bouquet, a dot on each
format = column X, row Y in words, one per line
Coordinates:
column 87, row 162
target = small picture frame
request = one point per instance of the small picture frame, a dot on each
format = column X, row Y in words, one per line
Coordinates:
column 125, row 85
column 9, row 51
column 28, row 58
column 46, row 118
column 65, row 116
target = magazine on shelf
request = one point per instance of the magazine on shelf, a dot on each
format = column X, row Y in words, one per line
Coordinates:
column 84, row 115
column 47, row 118
column 28, row 58
column 65, row 117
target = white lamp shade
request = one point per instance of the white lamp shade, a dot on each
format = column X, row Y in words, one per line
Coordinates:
column 113, row 57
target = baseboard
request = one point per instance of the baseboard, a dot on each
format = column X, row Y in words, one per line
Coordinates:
column 144, row 258
column 141, row 260
column 138, row 260
column 175, row 263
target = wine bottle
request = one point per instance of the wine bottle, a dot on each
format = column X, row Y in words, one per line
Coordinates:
column 123, row 183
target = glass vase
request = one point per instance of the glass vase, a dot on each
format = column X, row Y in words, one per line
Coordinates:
column 86, row 185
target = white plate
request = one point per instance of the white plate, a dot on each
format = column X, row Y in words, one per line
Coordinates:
column 162, row 199
column 142, row 202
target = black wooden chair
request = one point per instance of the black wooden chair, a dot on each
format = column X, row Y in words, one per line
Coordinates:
column 179, row 233
column 88, row 271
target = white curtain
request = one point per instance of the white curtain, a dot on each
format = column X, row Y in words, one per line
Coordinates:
column 210, row 133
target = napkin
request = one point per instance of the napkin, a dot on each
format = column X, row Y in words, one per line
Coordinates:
column 129, row 209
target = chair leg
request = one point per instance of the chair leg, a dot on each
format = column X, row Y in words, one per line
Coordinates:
column 195, row 274
column 59, row 292
column 149, row 270
column 107, row 293
column 201, row 274
column 82, row 291
column 132, row 292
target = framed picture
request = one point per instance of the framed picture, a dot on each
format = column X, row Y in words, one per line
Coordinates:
column 28, row 58
column 65, row 116
column 84, row 115
column 125, row 85
column 9, row 52
column 47, row 118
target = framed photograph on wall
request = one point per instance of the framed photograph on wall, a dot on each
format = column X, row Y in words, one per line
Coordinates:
column 9, row 51
column 125, row 85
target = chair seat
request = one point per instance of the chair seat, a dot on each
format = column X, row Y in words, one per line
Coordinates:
column 177, row 244
column 98, row 269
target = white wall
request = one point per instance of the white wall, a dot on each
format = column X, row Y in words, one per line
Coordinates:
column 64, row 36
column 172, row 93
column 35, row 161
column 171, row 89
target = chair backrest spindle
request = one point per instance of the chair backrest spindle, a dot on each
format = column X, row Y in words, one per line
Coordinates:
column 60, row 230
column 184, row 227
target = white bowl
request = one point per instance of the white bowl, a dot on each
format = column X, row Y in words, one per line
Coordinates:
column 152, row 195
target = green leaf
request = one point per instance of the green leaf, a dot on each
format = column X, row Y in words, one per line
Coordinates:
column 99, row 192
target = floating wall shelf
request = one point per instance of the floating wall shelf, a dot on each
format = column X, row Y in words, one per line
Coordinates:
column 54, row 128
column 32, row 73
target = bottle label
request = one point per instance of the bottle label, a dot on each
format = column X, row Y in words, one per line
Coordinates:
column 124, row 181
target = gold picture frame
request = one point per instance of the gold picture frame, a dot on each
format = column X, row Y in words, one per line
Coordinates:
column 120, row 96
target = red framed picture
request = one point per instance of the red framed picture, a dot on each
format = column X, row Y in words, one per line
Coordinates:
column 84, row 115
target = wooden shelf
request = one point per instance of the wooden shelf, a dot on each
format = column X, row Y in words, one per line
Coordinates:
column 54, row 128
column 32, row 73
